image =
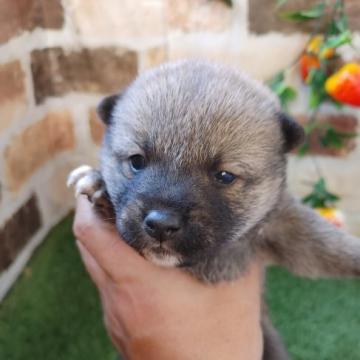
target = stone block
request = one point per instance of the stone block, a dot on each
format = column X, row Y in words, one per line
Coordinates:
column 17, row 16
column 126, row 20
column 96, row 127
column 18, row 230
column 37, row 144
column 101, row 70
column 154, row 56
column 13, row 100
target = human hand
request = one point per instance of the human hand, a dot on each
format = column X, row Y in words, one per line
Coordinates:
column 152, row 312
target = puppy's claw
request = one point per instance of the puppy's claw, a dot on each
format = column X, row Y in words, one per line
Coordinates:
column 77, row 174
column 88, row 181
column 88, row 185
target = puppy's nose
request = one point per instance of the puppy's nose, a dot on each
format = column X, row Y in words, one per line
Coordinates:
column 161, row 223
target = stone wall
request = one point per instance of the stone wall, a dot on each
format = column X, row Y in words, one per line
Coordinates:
column 59, row 57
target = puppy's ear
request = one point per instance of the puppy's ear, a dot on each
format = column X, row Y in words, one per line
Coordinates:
column 106, row 107
column 293, row 133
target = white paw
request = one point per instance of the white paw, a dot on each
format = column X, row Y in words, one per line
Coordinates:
column 77, row 174
column 87, row 181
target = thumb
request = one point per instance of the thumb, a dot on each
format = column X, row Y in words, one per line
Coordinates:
column 105, row 245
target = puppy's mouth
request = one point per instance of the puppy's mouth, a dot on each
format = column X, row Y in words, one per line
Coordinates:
column 162, row 256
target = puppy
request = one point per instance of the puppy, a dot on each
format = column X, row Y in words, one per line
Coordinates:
column 193, row 174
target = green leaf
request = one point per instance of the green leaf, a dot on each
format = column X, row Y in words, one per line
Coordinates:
column 339, row 20
column 287, row 95
column 339, row 4
column 276, row 80
column 314, row 99
column 334, row 138
column 318, row 95
column 317, row 77
column 320, row 196
column 284, row 92
column 337, row 25
column 310, row 127
column 336, row 41
column 304, row 148
column 342, row 23
column 331, row 139
column 228, row 2
column 303, row 15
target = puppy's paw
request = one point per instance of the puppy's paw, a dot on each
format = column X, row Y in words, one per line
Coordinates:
column 88, row 181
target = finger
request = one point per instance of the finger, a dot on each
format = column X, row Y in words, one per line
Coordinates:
column 96, row 273
column 111, row 253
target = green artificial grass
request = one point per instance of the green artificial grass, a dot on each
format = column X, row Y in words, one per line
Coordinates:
column 318, row 319
column 53, row 311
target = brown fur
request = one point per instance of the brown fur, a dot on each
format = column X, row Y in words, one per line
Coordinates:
column 191, row 120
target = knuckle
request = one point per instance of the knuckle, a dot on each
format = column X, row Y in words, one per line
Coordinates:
column 82, row 229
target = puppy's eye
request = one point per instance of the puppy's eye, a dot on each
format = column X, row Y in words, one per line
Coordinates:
column 137, row 162
column 225, row 177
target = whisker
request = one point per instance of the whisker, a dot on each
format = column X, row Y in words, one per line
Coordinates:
column 108, row 219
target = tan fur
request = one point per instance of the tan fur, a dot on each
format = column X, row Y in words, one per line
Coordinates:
column 191, row 120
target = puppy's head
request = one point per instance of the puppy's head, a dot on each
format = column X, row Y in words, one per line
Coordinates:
column 193, row 159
